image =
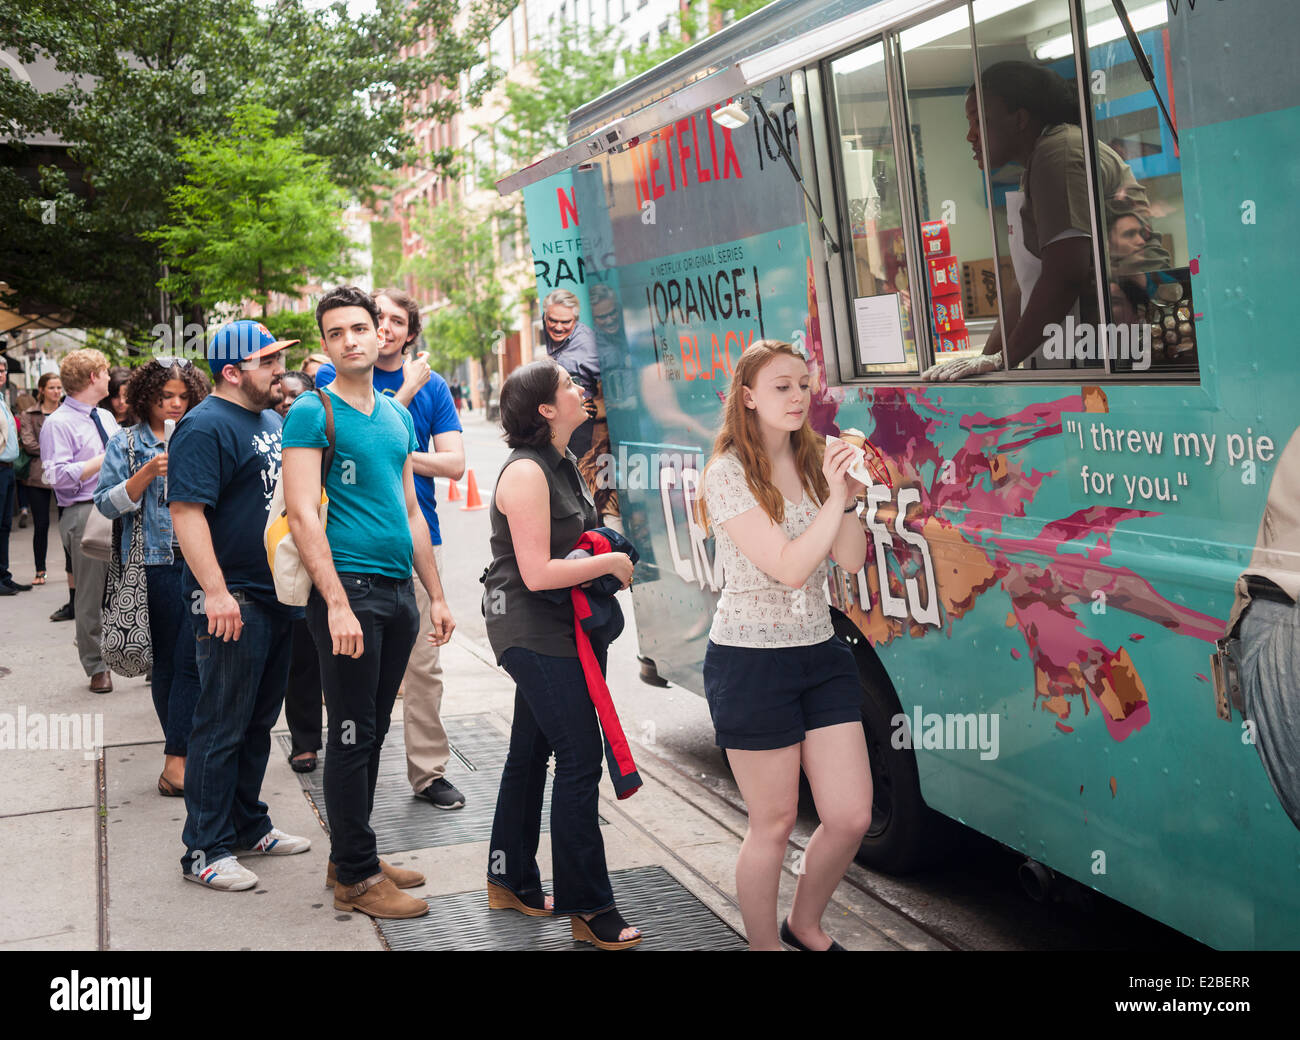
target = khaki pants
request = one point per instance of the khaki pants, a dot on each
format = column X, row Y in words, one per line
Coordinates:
column 426, row 740
column 90, row 575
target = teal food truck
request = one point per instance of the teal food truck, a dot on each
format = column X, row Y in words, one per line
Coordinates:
column 1067, row 523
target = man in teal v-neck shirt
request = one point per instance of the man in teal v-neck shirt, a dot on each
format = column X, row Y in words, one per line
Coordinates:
column 362, row 611
column 410, row 381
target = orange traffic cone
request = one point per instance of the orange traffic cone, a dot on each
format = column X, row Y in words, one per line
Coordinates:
column 453, row 492
column 472, row 498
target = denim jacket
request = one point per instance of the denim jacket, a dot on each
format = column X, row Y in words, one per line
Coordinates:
column 112, row 500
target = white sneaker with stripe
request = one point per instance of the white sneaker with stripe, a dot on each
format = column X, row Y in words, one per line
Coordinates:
column 225, row 875
column 277, row 843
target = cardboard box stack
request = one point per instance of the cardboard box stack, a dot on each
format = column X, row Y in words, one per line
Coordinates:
column 980, row 287
column 946, row 313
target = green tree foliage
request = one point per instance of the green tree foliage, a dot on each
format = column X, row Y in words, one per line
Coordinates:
column 461, row 265
column 299, row 325
column 255, row 215
column 385, row 251
column 147, row 73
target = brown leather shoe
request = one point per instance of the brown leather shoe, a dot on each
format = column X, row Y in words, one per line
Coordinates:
column 101, row 682
column 378, row 897
column 399, row 876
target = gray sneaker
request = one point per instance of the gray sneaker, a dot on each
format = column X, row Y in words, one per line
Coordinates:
column 442, row 794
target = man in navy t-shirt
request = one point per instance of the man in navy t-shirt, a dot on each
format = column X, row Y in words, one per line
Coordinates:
column 427, row 397
column 223, row 464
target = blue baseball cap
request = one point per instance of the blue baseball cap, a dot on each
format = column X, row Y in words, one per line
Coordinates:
column 243, row 340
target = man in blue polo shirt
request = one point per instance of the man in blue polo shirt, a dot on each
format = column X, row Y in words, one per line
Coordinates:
column 427, row 397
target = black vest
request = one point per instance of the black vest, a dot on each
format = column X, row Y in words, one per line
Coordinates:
column 515, row 616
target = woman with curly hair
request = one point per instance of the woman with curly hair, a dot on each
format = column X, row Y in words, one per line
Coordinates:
column 159, row 390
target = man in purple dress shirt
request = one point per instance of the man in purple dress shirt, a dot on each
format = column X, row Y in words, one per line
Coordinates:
column 72, row 452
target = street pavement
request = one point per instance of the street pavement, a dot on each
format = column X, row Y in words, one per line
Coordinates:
column 107, row 847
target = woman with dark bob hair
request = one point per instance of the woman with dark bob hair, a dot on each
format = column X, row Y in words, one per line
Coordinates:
column 159, row 390
column 539, row 509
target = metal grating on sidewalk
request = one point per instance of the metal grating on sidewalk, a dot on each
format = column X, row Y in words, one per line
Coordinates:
column 648, row 897
column 403, row 822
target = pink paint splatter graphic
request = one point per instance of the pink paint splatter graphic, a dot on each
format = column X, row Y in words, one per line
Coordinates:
column 1052, row 576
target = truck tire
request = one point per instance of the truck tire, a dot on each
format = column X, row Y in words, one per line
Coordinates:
column 905, row 835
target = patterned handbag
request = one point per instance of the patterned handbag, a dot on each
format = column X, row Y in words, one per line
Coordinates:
column 126, row 645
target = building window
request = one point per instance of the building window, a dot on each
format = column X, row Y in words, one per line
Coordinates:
column 502, row 51
column 518, row 35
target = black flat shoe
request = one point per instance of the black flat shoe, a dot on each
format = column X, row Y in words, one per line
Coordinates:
column 603, row 930
column 303, row 765
column 789, row 939
column 64, row 613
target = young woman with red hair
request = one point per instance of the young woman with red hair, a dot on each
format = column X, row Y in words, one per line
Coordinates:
column 783, row 689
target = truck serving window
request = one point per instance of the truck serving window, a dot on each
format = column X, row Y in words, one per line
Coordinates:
column 880, row 291
column 1000, row 226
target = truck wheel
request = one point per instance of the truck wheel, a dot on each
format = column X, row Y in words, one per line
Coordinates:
column 905, row 834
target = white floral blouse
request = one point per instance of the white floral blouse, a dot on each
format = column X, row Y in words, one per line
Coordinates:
column 755, row 609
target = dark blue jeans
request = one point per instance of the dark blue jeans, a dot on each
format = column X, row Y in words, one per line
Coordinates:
column 7, row 491
column 241, row 689
column 175, row 671
column 553, row 712
column 303, row 708
column 359, row 696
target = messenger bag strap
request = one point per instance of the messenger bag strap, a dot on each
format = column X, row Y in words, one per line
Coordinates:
column 327, row 456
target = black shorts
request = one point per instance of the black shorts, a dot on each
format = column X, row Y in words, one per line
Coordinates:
column 762, row 698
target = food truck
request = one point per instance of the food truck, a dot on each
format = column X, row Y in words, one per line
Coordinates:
column 1060, row 540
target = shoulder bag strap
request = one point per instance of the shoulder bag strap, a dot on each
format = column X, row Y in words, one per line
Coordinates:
column 130, row 452
column 327, row 456
column 137, row 528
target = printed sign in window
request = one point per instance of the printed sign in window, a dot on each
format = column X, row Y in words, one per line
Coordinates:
column 880, row 330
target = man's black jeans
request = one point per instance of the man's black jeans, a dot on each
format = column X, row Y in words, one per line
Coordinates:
column 359, row 696
column 302, row 697
column 553, row 712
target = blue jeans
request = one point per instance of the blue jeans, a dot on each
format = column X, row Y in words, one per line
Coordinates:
column 241, row 689
column 359, row 694
column 553, row 712
column 303, row 707
column 1270, row 675
column 175, row 671
column 7, row 491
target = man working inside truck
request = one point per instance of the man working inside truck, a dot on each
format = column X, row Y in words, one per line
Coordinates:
column 1032, row 118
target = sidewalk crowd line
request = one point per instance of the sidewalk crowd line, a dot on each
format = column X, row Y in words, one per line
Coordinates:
column 114, row 878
